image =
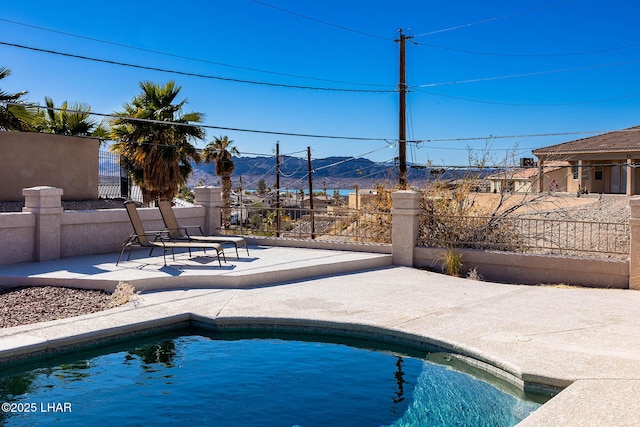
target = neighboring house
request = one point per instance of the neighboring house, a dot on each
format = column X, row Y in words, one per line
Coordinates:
column 319, row 202
column 604, row 163
column 555, row 177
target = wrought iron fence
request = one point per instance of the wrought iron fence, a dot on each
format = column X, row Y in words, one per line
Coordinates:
column 113, row 179
column 338, row 224
column 531, row 235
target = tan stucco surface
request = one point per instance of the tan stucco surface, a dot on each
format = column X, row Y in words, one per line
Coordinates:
column 40, row 159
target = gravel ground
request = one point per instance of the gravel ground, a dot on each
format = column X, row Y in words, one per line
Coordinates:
column 602, row 209
column 21, row 306
column 69, row 205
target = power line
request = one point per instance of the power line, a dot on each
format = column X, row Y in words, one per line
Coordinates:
column 388, row 141
column 515, row 104
column 534, row 73
column 321, row 21
column 183, row 73
column 531, row 135
column 530, row 55
column 351, row 158
column 173, row 55
column 163, row 122
column 431, row 147
column 496, row 18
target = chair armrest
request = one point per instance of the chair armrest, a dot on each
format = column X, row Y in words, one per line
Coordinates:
column 186, row 229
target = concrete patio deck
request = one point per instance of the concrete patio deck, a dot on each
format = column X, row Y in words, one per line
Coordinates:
column 587, row 340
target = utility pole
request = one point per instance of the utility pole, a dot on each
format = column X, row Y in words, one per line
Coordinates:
column 278, row 189
column 313, row 224
column 402, row 116
column 241, row 206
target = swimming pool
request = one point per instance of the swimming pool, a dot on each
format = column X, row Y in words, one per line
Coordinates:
column 196, row 377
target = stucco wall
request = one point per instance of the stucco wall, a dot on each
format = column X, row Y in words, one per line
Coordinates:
column 531, row 269
column 82, row 232
column 104, row 231
column 17, row 237
column 37, row 159
column 556, row 180
column 90, row 232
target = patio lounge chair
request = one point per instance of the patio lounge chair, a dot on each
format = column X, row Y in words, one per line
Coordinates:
column 178, row 233
column 140, row 238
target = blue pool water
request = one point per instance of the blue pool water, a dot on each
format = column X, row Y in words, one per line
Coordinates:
column 198, row 378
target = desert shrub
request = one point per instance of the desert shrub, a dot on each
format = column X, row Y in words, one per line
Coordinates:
column 451, row 262
column 374, row 220
column 123, row 294
column 474, row 274
column 451, row 218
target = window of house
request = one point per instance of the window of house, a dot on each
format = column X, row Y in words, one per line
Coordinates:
column 575, row 170
column 597, row 173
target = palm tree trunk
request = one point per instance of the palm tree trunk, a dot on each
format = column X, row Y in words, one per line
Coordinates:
column 226, row 201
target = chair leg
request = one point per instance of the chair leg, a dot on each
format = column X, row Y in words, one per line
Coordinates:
column 236, row 245
column 120, row 256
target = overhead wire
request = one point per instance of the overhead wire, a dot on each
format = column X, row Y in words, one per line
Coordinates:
column 388, row 141
column 189, row 58
column 350, row 159
column 285, row 160
column 163, row 122
column 189, row 74
column 418, row 87
column 496, row 18
column 529, row 55
column 529, row 104
column 534, row 73
column 321, row 21
column 414, row 87
column 314, row 170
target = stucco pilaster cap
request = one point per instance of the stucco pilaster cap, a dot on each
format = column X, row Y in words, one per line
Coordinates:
column 43, row 190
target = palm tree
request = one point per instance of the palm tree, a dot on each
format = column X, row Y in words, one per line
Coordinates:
column 221, row 152
column 158, row 154
column 74, row 119
column 13, row 117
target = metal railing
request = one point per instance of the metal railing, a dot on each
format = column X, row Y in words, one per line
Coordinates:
column 531, row 235
column 338, row 224
column 113, row 179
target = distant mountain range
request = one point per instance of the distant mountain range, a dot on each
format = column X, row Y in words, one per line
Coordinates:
column 330, row 173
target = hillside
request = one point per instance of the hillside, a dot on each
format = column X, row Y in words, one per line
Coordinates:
column 330, row 172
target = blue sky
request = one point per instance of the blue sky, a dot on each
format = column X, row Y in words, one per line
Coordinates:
column 474, row 69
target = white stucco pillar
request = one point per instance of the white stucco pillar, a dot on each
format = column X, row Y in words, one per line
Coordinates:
column 634, row 246
column 404, row 231
column 46, row 204
column 211, row 199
